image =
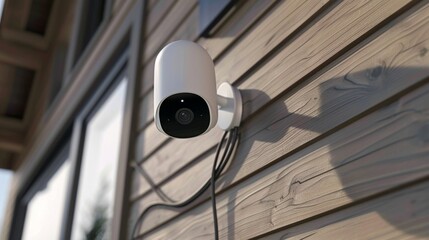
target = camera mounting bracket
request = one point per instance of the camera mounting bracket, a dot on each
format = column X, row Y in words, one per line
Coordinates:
column 230, row 106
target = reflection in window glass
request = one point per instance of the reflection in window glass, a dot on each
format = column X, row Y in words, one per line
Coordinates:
column 5, row 178
column 96, row 191
column 1, row 8
column 45, row 210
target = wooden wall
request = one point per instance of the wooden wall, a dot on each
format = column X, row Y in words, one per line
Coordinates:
column 335, row 137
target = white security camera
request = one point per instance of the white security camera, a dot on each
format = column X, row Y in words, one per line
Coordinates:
column 186, row 103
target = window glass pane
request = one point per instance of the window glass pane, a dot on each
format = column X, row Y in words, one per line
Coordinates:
column 5, row 178
column 93, row 15
column 96, row 191
column 1, row 8
column 45, row 210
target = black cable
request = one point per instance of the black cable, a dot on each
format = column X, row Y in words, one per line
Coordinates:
column 182, row 204
column 213, row 196
column 216, row 171
column 153, row 186
column 225, row 157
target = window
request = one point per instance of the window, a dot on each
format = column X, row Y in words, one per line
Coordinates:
column 47, row 206
column 1, row 8
column 85, row 190
column 76, row 190
column 5, row 178
column 90, row 15
column 96, row 189
column 38, row 18
column 94, row 12
column 45, row 200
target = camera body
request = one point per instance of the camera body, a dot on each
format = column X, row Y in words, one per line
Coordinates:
column 185, row 99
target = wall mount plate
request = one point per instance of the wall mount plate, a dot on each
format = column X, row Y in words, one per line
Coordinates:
column 230, row 106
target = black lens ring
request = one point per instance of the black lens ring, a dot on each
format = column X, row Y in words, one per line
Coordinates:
column 184, row 116
column 174, row 103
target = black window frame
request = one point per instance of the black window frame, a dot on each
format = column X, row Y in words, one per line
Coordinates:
column 120, row 57
column 103, row 92
column 72, row 149
column 74, row 52
column 78, row 50
column 54, row 161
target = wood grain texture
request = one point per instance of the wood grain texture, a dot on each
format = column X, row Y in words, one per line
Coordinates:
column 381, row 151
column 280, row 23
column 241, row 20
column 146, row 110
column 156, row 14
column 147, row 81
column 354, row 85
column 156, row 138
column 117, row 5
column 400, row 215
column 288, row 8
column 151, row 4
column 155, row 41
column 135, row 185
column 188, row 30
column 172, row 158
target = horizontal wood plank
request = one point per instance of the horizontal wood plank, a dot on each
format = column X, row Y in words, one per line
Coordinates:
column 241, row 19
column 151, row 4
column 245, row 15
column 157, row 141
column 117, row 5
column 156, row 12
column 349, row 88
column 188, row 30
column 172, row 158
column 147, row 81
column 290, row 23
column 278, row 23
column 166, row 28
column 146, row 110
column 355, row 163
column 400, row 215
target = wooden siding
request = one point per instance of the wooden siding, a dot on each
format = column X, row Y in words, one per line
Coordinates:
column 335, row 135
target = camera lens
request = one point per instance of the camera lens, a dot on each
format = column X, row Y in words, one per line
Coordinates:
column 184, row 116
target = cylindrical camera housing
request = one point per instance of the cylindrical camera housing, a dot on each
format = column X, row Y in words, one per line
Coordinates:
column 185, row 102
